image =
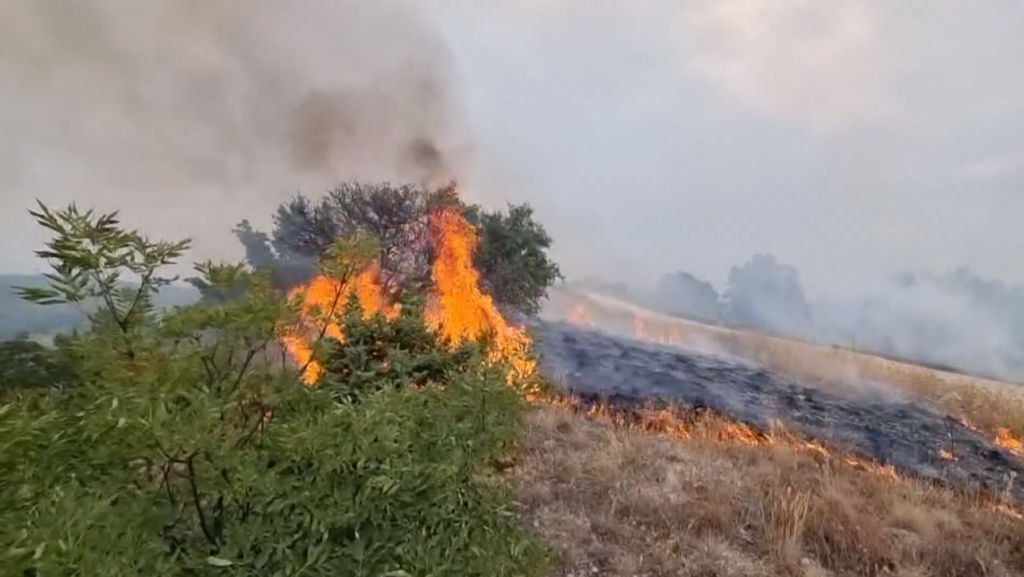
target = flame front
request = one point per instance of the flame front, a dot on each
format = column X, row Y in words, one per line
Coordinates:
column 579, row 315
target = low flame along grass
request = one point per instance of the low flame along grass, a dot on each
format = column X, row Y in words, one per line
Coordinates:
column 682, row 423
column 1001, row 436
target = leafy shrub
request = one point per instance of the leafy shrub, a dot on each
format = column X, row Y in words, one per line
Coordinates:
column 186, row 449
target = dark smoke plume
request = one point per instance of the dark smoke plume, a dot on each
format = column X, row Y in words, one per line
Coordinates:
column 193, row 114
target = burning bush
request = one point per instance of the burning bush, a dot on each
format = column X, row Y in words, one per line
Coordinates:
column 187, row 449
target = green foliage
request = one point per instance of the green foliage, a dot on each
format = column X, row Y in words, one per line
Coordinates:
column 188, row 449
column 512, row 257
column 381, row 354
column 25, row 363
column 90, row 254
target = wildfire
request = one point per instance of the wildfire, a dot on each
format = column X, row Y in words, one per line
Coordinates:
column 639, row 328
column 1003, row 438
column 665, row 335
column 685, row 423
column 324, row 297
column 457, row 309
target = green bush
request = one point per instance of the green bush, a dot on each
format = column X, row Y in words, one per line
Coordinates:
column 25, row 363
column 186, row 449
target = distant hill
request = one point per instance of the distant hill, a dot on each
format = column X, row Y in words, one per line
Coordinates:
column 18, row 316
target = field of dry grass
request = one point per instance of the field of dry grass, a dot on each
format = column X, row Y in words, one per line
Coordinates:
column 994, row 407
column 622, row 502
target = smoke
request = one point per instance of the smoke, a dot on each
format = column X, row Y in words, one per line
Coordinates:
column 191, row 115
column 851, row 140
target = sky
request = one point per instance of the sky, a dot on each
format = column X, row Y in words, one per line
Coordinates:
column 851, row 139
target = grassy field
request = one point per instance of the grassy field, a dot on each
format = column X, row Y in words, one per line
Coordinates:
column 992, row 406
column 622, row 501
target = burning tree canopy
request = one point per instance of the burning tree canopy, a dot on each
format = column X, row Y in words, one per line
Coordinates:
column 511, row 252
column 457, row 309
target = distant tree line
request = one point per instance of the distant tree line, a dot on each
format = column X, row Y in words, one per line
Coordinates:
column 956, row 320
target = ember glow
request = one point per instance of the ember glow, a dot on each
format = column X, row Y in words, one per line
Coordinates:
column 684, row 422
column 1006, row 439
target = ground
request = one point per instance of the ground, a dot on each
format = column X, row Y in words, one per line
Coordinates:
column 620, row 501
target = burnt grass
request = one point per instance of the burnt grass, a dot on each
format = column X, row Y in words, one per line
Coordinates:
column 629, row 376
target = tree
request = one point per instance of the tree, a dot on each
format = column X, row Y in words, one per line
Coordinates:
column 766, row 294
column 511, row 254
column 512, row 257
column 685, row 295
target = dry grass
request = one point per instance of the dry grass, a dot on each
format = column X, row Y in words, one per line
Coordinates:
column 625, row 502
column 622, row 502
column 989, row 405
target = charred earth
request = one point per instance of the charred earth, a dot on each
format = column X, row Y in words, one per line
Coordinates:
column 627, row 375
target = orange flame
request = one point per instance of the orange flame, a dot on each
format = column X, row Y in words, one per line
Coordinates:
column 457, row 309
column 1006, row 439
column 683, row 423
column 1003, row 438
column 639, row 328
column 665, row 334
column 321, row 301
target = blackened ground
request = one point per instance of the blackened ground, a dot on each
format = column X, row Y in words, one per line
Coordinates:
column 901, row 433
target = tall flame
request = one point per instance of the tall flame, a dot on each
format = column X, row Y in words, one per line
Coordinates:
column 458, row 310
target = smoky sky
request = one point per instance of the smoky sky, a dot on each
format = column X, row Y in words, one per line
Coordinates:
column 190, row 115
column 850, row 139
